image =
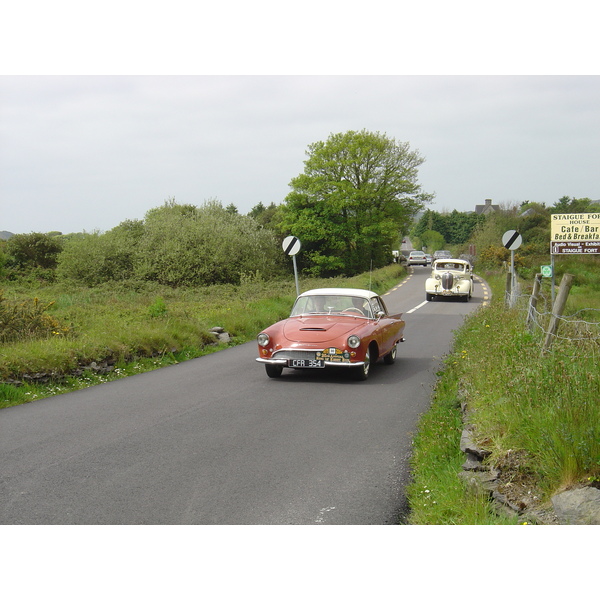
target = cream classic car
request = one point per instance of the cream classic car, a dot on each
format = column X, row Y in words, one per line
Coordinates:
column 450, row 277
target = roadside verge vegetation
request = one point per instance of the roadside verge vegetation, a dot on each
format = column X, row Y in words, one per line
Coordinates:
column 537, row 414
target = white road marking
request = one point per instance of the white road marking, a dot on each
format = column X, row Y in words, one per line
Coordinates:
column 412, row 310
column 322, row 512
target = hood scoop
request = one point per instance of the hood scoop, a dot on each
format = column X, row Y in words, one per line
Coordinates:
column 313, row 329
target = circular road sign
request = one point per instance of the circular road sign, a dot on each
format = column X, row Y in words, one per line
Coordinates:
column 512, row 239
column 546, row 270
column 291, row 245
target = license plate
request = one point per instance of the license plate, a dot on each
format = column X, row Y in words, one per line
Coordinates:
column 306, row 363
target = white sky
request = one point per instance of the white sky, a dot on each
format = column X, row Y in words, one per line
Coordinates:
column 500, row 107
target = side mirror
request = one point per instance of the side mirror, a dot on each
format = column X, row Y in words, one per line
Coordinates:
column 380, row 314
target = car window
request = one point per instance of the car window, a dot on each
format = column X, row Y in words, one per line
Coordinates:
column 451, row 265
column 376, row 306
column 330, row 305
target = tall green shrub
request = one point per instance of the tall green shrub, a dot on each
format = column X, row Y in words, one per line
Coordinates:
column 175, row 245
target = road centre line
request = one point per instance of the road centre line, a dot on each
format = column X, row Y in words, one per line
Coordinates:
column 412, row 310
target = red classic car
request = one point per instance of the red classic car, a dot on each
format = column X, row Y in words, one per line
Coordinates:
column 332, row 327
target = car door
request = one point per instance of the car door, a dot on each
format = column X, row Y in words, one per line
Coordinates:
column 386, row 328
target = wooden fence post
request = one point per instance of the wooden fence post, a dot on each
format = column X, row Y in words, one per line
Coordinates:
column 557, row 309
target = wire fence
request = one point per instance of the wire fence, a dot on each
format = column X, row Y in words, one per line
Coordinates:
column 580, row 329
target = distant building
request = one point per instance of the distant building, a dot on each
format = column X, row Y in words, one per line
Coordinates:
column 487, row 208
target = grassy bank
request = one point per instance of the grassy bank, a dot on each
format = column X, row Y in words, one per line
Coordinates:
column 538, row 414
column 136, row 328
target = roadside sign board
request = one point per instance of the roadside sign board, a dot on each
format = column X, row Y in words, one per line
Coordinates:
column 512, row 239
column 575, row 234
column 546, row 270
column 291, row 245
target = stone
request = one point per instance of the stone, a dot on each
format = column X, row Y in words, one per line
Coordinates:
column 578, row 507
column 480, row 481
column 468, row 445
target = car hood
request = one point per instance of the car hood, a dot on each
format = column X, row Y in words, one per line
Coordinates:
column 320, row 329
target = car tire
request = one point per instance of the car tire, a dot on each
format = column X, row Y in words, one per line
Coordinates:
column 362, row 373
column 390, row 357
column 273, row 371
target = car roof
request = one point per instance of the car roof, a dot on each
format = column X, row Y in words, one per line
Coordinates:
column 339, row 292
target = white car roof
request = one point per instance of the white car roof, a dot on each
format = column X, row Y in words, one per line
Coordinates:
column 339, row 292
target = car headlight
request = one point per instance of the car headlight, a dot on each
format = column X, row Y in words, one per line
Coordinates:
column 353, row 341
column 262, row 339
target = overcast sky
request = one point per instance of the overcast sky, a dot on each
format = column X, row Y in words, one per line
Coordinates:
column 85, row 152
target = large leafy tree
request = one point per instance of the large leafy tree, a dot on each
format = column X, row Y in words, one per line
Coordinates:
column 357, row 195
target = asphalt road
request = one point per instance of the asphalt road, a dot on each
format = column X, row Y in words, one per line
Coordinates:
column 215, row 441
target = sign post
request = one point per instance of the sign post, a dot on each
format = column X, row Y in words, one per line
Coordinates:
column 512, row 240
column 291, row 246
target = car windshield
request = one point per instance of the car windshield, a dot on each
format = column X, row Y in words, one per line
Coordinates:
column 450, row 265
column 328, row 305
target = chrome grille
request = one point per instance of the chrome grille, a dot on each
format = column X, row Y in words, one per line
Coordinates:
column 301, row 354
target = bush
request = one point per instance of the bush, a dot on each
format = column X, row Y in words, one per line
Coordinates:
column 34, row 250
column 176, row 245
column 27, row 320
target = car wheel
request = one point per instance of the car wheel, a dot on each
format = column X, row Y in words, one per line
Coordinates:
column 361, row 373
column 390, row 357
column 273, row 370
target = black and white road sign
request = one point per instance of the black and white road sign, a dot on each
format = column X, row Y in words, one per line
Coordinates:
column 512, row 239
column 291, row 245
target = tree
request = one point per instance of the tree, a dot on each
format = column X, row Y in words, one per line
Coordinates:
column 34, row 250
column 267, row 216
column 455, row 227
column 357, row 195
column 573, row 205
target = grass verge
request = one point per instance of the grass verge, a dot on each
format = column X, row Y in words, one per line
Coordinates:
column 537, row 414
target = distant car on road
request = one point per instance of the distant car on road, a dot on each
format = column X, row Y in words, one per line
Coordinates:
column 332, row 327
column 450, row 277
column 429, row 259
column 442, row 254
column 417, row 257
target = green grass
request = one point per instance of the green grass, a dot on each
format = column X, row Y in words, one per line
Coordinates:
column 145, row 326
column 542, row 407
